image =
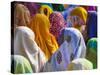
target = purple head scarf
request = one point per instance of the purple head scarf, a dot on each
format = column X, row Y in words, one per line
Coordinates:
column 33, row 7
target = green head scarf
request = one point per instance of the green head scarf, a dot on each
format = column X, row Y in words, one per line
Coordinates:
column 92, row 51
column 58, row 7
column 20, row 65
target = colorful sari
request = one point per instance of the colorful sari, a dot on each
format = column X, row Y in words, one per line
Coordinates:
column 71, row 47
column 46, row 9
column 90, row 8
column 59, row 60
column 57, row 23
column 92, row 51
column 33, row 7
column 76, row 42
column 80, row 12
column 79, row 18
column 46, row 41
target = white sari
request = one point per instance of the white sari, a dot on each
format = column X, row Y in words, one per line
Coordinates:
column 25, row 45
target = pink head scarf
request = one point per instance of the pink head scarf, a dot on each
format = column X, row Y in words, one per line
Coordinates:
column 57, row 23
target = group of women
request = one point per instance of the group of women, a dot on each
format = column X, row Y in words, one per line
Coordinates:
column 53, row 37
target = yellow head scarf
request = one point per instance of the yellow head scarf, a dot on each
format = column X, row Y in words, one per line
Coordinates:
column 45, row 9
column 46, row 41
column 80, row 12
column 21, row 15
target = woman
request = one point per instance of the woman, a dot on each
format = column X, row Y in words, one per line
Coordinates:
column 76, row 42
column 79, row 19
column 25, row 45
column 80, row 64
column 92, row 24
column 92, row 51
column 21, row 15
column 46, row 41
column 20, row 65
column 57, row 23
column 45, row 9
column 72, row 46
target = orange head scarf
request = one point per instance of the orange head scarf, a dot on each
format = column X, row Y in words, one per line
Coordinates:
column 46, row 41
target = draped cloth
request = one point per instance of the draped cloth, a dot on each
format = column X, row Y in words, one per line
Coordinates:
column 25, row 45
column 92, row 24
column 72, row 46
column 59, row 60
column 79, row 19
column 76, row 42
column 20, row 65
column 92, row 51
column 33, row 7
column 46, row 9
column 21, row 15
column 80, row 64
column 46, row 41
column 57, row 23
column 80, row 12
column 58, row 7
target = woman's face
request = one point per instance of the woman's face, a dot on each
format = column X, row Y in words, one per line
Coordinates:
column 76, row 21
